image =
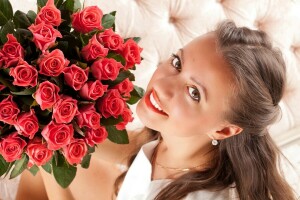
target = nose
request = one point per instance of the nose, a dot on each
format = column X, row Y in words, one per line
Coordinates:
column 165, row 88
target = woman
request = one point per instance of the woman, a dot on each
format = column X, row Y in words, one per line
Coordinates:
column 209, row 108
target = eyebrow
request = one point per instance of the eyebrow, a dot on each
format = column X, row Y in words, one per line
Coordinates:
column 192, row 78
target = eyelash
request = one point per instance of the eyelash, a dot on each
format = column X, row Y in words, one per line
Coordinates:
column 173, row 57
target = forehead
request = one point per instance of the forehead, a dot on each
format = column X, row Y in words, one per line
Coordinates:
column 206, row 64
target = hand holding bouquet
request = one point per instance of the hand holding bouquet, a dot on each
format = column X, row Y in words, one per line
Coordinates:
column 65, row 86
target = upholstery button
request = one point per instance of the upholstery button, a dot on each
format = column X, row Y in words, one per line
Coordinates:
column 172, row 20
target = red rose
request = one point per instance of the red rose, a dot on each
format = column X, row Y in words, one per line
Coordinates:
column 75, row 76
column 92, row 90
column 27, row 124
column 44, row 35
column 110, row 39
column 88, row 117
column 11, row 52
column 46, row 95
column 65, row 109
column 106, row 68
column 93, row 50
column 75, row 151
column 127, row 117
column 8, row 110
column 53, row 64
column 58, row 135
column 112, row 104
column 49, row 14
column 125, row 87
column 97, row 136
column 38, row 152
column 131, row 52
column 24, row 74
column 11, row 147
column 2, row 87
column 87, row 20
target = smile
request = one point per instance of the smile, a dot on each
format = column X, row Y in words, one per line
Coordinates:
column 153, row 103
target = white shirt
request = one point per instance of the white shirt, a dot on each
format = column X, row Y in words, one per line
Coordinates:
column 138, row 185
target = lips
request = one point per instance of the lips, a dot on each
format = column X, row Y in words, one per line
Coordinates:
column 153, row 103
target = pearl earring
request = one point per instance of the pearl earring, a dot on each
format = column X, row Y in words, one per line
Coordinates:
column 214, row 142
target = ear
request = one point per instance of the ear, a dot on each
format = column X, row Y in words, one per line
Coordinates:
column 227, row 131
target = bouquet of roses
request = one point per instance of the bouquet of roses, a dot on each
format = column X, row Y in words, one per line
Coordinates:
column 65, row 86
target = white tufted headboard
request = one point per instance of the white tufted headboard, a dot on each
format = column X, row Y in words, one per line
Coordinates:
column 166, row 25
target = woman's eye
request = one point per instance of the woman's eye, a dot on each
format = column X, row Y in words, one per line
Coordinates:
column 194, row 93
column 175, row 62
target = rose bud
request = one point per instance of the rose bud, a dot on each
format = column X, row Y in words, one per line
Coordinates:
column 44, row 35
column 49, row 14
column 88, row 117
column 110, row 40
column 75, row 151
column 112, row 104
column 93, row 50
column 38, row 152
column 11, row 52
column 57, row 135
column 106, row 68
column 125, row 87
column 87, row 20
column 127, row 117
column 53, row 64
column 24, row 74
column 93, row 90
column 27, row 124
column 8, row 110
column 11, row 147
column 65, row 109
column 46, row 95
column 97, row 136
column 75, row 77
column 131, row 52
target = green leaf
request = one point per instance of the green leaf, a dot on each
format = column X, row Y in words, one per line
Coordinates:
column 117, row 57
column 28, row 91
column 121, row 77
column 31, row 15
column 21, row 20
column 85, row 163
column 77, row 5
column 6, row 29
column 20, row 166
column 22, row 34
column 136, row 39
column 108, row 20
column 116, row 136
column 9, row 168
column 111, row 121
column 41, row 3
column 58, row 3
column 33, row 170
column 63, row 174
column 47, row 167
column 136, row 94
column 3, row 165
column 6, row 12
column 91, row 149
column 7, row 83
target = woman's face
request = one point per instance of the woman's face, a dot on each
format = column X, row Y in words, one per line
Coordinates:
column 187, row 95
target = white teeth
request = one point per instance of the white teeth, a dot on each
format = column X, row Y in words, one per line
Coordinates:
column 154, row 103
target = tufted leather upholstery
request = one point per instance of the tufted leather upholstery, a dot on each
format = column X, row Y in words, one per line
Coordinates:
column 166, row 25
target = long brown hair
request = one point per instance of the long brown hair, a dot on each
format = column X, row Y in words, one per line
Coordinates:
column 250, row 160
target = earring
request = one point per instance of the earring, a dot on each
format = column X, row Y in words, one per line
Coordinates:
column 214, row 142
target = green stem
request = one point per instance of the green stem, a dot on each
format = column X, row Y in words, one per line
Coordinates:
column 7, row 84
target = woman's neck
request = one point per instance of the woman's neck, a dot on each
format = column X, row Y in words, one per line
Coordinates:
column 181, row 152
